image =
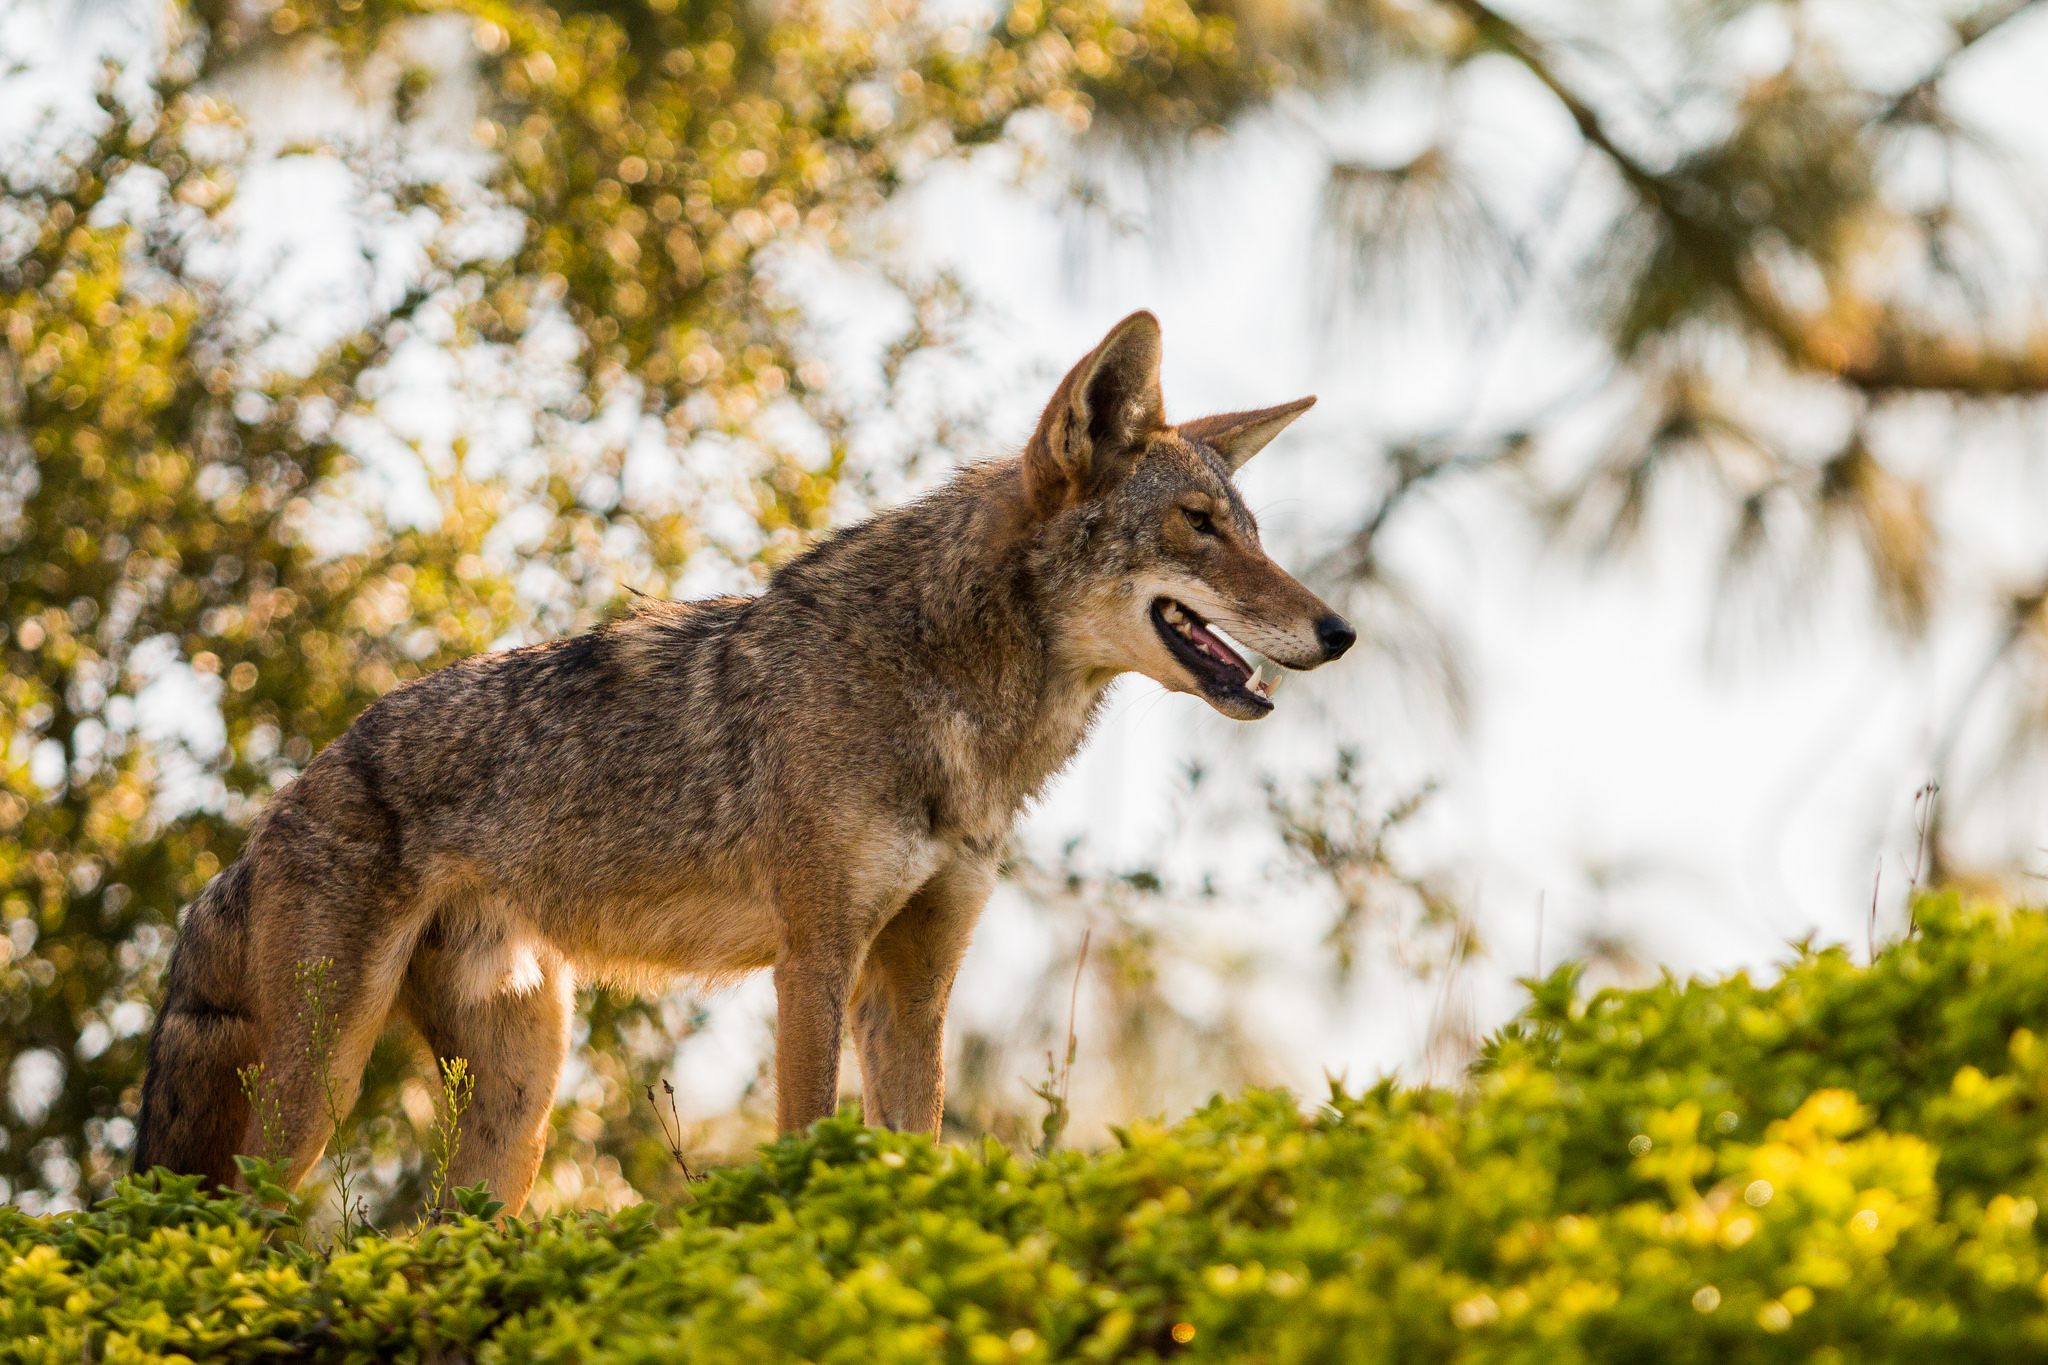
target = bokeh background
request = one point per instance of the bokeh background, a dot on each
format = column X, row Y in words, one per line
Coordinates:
column 1680, row 455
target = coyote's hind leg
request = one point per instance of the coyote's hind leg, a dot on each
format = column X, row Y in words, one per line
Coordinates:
column 330, row 972
column 512, row 1028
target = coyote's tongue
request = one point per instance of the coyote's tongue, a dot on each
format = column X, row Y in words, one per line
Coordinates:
column 1219, row 649
column 1213, row 646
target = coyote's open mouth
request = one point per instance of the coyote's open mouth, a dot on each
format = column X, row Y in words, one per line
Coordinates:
column 1221, row 670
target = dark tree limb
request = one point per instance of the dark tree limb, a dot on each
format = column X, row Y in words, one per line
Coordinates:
column 1895, row 356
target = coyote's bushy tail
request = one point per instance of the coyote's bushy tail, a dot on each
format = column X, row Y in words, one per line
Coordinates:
column 193, row 1110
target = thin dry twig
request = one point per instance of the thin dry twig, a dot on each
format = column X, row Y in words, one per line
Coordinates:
column 1055, row 1089
column 1923, row 809
column 1923, row 814
column 671, row 1127
column 1073, row 1005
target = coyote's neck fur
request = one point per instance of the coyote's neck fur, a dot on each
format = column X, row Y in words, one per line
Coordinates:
column 934, row 623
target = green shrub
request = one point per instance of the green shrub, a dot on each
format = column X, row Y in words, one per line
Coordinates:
column 1846, row 1164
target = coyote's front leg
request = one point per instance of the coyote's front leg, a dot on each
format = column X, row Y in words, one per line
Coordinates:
column 899, row 1012
column 811, row 989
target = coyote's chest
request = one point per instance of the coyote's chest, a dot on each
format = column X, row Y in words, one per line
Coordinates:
column 989, row 773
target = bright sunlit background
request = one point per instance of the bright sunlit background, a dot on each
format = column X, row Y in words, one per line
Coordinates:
column 1678, row 452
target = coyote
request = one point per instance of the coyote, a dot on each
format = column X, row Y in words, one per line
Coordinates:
column 817, row 780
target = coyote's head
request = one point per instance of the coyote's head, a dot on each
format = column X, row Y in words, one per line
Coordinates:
column 1152, row 555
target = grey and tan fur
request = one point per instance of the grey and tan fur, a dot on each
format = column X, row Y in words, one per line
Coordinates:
column 816, row 780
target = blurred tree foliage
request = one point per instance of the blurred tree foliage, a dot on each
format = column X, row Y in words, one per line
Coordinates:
column 154, row 485
column 1788, row 268
column 188, row 500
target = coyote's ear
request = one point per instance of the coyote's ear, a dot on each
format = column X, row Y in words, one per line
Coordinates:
column 1237, row 436
column 1099, row 416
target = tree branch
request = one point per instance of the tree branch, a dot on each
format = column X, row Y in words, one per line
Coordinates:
column 1969, row 31
column 1896, row 357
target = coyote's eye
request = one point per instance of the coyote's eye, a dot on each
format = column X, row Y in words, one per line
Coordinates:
column 1204, row 524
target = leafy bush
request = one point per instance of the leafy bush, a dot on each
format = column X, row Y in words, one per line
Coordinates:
column 1845, row 1164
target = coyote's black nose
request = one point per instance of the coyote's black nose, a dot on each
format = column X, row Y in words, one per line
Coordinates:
column 1336, row 635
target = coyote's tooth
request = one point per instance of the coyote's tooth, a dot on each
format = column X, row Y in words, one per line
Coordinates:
column 1269, row 675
